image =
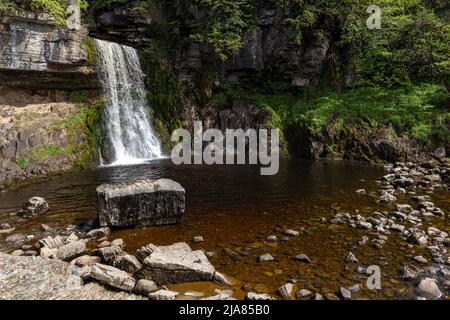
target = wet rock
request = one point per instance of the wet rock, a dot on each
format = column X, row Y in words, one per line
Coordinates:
column 346, row 294
column 429, row 289
column 286, row 291
column 271, row 239
column 365, row 225
column 318, row 297
column 397, row 228
column 351, row 258
column 303, row 258
column 176, row 263
column 198, row 239
column 386, row 197
column 257, row 296
column 265, row 258
column 291, row 233
column 140, row 203
column 99, row 233
column 194, row 294
column 113, row 277
column 145, row 287
column 71, row 250
column 220, row 278
column 410, row 273
column 361, row 191
column 404, row 208
column 163, row 295
column 34, row 206
column 418, row 238
column 303, row 293
column 420, row 259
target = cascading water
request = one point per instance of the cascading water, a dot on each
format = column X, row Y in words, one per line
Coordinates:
column 131, row 137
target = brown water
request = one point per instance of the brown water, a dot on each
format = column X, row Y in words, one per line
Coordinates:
column 235, row 209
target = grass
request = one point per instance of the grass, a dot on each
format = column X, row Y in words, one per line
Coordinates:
column 421, row 110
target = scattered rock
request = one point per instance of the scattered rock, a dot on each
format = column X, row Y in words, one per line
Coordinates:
column 163, row 295
column 258, row 297
column 52, row 242
column 286, row 291
column 302, row 258
column 265, row 258
column 71, row 250
column 346, row 294
column 118, row 243
column 351, row 258
column 99, row 233
column 291, row 233
column 145, row 287
column 113, row 277
column 86, row 261
column 34, row 206
column 428, row 288
column 198, row 239
column 271, row 239
column 303, row 293
column 420, row 259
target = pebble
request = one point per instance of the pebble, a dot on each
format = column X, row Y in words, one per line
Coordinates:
column 303, row 258
column 351, row 258
column 198, row 239
column 291, row 233
column 428, row 288
column 265, row 258
column 303, row 293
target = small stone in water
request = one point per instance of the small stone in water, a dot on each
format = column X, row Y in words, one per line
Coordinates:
column 303, row 258
column 351, row 258
column 346, row 294
column 303, row 293
column 420, row 259
column 271, row 238
column 265, row 257
column 198, row 239
column 292, row 233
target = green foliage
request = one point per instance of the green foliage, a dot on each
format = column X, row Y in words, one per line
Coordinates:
column 22, row 162
column 56, row 8
column 420, row 110
column 224, row 24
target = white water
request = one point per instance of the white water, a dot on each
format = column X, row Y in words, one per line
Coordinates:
column 132, row 139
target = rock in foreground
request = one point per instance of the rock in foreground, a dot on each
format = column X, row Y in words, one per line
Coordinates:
column 176, row 263
column 140, row 203
column 34, row 278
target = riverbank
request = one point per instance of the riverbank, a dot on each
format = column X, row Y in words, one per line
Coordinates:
column 255, row 243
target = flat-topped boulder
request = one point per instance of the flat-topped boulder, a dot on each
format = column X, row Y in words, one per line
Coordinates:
column 176, row 263
column 140, row 203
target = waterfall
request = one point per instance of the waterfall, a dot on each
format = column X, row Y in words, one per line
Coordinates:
column 131, row 137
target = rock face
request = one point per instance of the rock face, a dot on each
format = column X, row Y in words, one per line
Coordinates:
column 31, row 278
column 176, row 263
column 34, row 51
column 140, row 203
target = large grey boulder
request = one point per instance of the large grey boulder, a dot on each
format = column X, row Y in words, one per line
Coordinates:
column 140, row 203
column 176, row 263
